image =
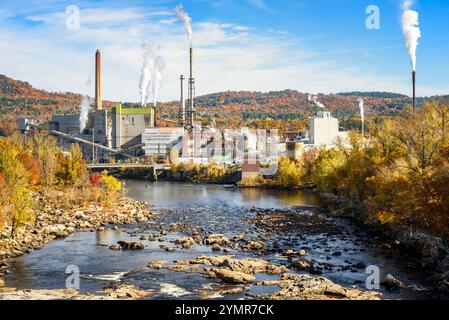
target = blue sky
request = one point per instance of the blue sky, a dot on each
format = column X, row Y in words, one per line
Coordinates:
column 308, row 45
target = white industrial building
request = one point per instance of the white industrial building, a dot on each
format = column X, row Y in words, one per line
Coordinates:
column 160, row 141
column 324, row 130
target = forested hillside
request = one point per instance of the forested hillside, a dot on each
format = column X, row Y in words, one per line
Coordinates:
column 288, row 109
column 19, row 98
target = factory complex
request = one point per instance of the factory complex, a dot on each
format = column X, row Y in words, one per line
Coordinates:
column 132, row 132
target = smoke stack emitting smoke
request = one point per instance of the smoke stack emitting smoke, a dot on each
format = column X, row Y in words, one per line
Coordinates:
column 412, row 33
column 362, row 114
column 151, row 74
column 314, row 99
column 145, row 78
column 84, row 116
column 184, row 18
column 159, row 66
column 85, row 108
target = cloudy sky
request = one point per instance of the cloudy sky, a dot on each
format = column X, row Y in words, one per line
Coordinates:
column 309, row 45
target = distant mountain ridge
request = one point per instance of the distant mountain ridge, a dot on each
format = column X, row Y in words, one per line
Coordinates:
column 374, row 94
column 18, row 98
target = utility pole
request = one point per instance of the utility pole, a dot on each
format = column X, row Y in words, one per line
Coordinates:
column 93, row 146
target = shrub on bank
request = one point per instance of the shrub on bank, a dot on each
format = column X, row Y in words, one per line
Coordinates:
column 36, row 164
column 400, row 173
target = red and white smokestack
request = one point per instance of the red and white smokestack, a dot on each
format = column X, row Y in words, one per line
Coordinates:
column 414, row 90
column 98, row 100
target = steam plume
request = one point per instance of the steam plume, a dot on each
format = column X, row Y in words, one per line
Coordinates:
column 184, row 18
column 85, row 108
column 362, row 113
column 146, row 71
column 314, row 99
column 362, row 109
column 412, row 33
column 159, row 66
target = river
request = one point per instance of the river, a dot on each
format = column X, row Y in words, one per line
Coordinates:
column 215, row 209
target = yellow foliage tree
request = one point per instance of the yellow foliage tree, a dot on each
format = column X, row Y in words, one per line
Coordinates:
column 72, row 167
column 289, row 173
column 15, row 198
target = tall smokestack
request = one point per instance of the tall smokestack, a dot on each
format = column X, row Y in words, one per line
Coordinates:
column 182, row 105
column 414, row 90
column 191, row 63
column 191, row 105
column 98, row 101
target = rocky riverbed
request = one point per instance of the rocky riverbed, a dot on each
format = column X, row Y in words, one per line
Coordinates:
column 54, row 224
column 212, row 251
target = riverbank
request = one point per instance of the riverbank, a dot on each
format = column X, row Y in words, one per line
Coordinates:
column 53, row 222
column 213, row 247
column 236, row 274
column 422, row 251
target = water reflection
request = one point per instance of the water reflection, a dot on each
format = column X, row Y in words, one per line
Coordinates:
column 216, row 209
column 165, row 194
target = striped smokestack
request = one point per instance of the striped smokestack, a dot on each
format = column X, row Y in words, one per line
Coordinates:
column 98, row 101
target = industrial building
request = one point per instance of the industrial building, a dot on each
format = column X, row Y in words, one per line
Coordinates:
column 132, row 132
column 159, row 142
column 324, row 130
column 129, row 124
column 105, row 132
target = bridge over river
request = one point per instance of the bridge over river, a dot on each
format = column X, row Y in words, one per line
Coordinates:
column 157, row 167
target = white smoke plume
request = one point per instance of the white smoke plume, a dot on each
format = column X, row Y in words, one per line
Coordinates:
column 314, row 99
column 412, row 33
column 84, row 115
column 151, row 74
column 362, row 109
column 184, row 18
column 85, row 108
column 159, row 66
column 146, row 71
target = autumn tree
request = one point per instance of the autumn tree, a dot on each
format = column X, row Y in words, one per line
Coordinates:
column 46, row 152
column 419, row 137
column 289, row 173
column 15, row 198
column 72, row 167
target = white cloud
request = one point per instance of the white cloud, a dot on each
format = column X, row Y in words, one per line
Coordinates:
column 103, row 16
column 227, row 57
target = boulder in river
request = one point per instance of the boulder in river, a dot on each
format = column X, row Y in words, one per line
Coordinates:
column 301, row 265
column 235, row 277
column 306, row 287
column 115, row 247
column 167, row 248
column 216, row 239
column 131, row 245
column 254, row 245
column 292, row 253
column 392, row 283
column 185, row 243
